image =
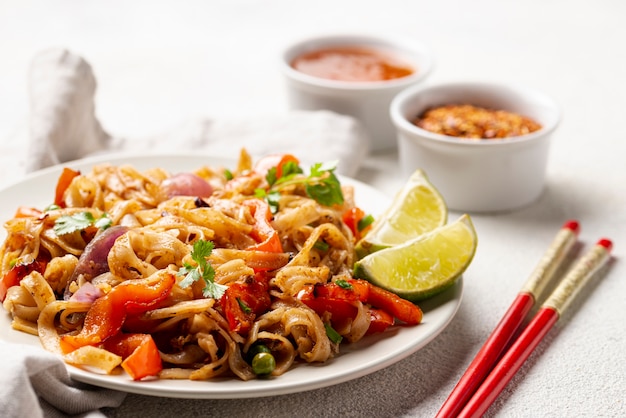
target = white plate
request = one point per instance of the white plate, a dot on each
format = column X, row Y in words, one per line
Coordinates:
column 368, row 355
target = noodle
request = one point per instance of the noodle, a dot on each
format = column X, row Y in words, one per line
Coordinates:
column 96, row 294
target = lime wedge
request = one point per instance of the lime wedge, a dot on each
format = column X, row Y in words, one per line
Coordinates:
column 424, row 266
column 416, row 209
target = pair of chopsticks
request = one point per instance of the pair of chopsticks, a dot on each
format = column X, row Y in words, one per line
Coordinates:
column 491, row 370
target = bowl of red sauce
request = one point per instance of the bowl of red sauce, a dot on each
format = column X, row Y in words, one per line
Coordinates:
column 356, row 75
column 485, row 146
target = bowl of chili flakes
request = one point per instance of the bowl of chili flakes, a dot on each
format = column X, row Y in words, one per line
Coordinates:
column 484, row 145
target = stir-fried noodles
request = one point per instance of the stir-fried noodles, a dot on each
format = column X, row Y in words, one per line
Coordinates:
column 194, row 275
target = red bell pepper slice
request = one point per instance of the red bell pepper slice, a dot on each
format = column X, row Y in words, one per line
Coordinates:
column 137, row 324
column 351, row 218
column 65, row 179
column 14, row 276
column 380, row 321
column 274, row 160
column 338, row 301
column 263, row 232
column 401, row 309
column 334, row 301
column 352, row 290
column 139, row 352
column 242, row 302
column 107, row 313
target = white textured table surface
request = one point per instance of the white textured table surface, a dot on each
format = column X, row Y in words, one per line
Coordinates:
column 158, row 63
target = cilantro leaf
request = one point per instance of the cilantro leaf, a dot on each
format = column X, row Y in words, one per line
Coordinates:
column 68, row 224
column 213, row 290
column 192, row 274
column 321, row 185
column 318, row 169
column 324, row 186
column 103, row 222
column 272, row 199
column 203, row 270
column 291, row 168
column 272, row 176
column 260, row 193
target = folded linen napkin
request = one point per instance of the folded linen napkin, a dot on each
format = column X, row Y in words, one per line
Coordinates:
column 35, row 383
column 64, row 127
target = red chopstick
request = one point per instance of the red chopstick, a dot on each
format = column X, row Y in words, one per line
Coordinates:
column 538, row 327
column 510, row 322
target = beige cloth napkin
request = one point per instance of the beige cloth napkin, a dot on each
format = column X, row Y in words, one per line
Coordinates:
column 35, row 383
column 64, row 127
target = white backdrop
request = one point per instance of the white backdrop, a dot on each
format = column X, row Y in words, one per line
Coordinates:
column 159, row 63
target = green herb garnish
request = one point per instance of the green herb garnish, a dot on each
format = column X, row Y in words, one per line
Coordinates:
column 291, row 168
column 365, row 222
column 68, row 224
column 321, row 245
column 203, row 270
column 272, row 198
column 332, row 335
column 271, row 176
column 321, row 184
column 344, row 284
column 245, row 308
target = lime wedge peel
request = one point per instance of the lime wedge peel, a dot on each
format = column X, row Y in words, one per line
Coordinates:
column 424, row 266
column 417, row 209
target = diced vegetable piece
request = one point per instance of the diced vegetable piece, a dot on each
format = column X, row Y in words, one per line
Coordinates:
column 107, row 314
column 65, row 179
column 140, row 353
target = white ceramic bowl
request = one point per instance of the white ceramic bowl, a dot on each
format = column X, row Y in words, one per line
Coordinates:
column 485, row 175
column 367, row 101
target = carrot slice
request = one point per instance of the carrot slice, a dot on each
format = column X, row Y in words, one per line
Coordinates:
column 65, row 179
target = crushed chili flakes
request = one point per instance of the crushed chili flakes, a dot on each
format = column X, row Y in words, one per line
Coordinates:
column 467, row 121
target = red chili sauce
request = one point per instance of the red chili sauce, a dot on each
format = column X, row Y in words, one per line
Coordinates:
column 351, row 63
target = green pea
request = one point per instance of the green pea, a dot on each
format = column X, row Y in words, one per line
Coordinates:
column 255, row 349
column 263, row 364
